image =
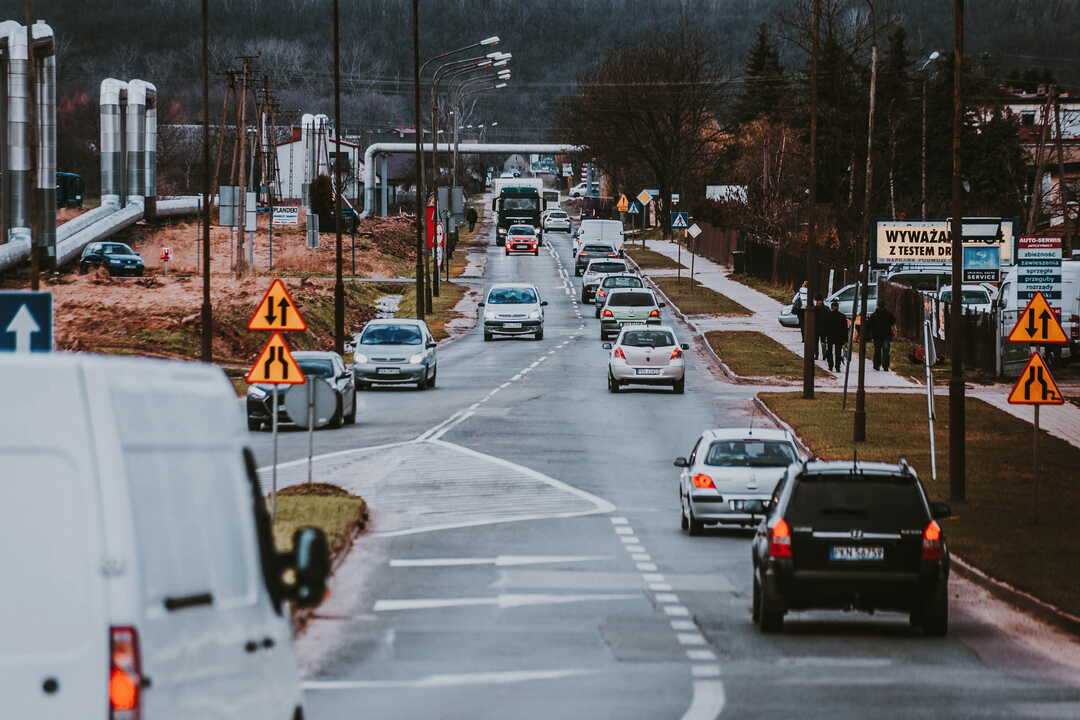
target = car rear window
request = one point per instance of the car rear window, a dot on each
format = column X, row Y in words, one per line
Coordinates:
column 607, row 267
column 647, row 338
column 838, row 502
column 598, row 249
column 750, row 452
column 623, row 282
column 632, row 299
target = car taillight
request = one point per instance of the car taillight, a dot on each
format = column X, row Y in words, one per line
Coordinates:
column 932, row 548
column 703, row 481
column 676, row 353
column 602, row 293
column 780, row 539
column 125, row 673
column 619, row 353
column 654, row 313
column 608, row 313
column 1075, row 329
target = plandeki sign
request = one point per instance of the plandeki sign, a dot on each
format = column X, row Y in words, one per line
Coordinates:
column 930, row 241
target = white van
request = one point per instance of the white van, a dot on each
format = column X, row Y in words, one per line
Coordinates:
column 1011, row 305
column 140, row 578
column 606, row 231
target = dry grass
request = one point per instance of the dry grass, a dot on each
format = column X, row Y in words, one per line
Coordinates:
column 443, row 307
column 693, row 298
column 339, row 513
column 650, row 259
column 754, row 354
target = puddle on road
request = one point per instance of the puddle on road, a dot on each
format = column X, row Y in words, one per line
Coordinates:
column 387, row 305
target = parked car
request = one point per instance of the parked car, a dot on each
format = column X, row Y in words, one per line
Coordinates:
column 852, row 535
column 146, row 583
column 929, row 278
column 317, row 366
column 646, row 355
column 846, row 297
column 625, row 306
column 556, row 220
column 594, row 273
column 593, row 251
column 395, row 351
column 582, row 189
column 513, row 309
column 522, row 239
column 729, row 467
column 116, row 257
column 610, row 282
column 975, row 298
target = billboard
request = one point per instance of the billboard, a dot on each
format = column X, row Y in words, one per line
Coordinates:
column 930, row 241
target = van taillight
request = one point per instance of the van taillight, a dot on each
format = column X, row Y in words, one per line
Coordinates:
column 1075, row 329
column 780, row 539
column 608, row 313
column 932, row 548
column 125, row 673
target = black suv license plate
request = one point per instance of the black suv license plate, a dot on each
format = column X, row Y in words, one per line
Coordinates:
column 857, row 553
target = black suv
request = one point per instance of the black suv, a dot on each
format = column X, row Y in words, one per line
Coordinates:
column 852, row 535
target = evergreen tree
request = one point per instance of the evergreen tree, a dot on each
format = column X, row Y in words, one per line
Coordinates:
column 764, row 88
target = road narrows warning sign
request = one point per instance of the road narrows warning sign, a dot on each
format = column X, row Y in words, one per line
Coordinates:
column 1038, row 325
column 275, row 365
column 1035, row 385
column 277, row 311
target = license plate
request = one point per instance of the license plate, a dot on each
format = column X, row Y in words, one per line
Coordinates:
column 857, row 553
column 740, row 505
column 521, row 247
column 648, row 371
column 512, row 326
column 386, row 371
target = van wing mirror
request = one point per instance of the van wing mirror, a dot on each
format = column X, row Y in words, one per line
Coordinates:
column 940, row 510
column 310, row 565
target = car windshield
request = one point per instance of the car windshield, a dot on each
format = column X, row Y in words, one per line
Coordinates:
column 558, row 214
column 598, row 249
column 647, row 338
column 520, row 203
column 623, row 282
column 116, row 249
column 969, row 297
column 522, row 230
column 313, row 367
column 511, row 296
column 837, row 502
column 753, row 453
column 631, row 299
column 391, row 335
column 607, row 267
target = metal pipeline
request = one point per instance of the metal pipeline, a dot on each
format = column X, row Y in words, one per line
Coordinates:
column 17, row 172
column 45, row 95
column 150, row 146
column 112, row 142
column 135, row 137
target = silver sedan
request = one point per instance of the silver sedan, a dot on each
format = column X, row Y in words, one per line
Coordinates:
column 392, row 351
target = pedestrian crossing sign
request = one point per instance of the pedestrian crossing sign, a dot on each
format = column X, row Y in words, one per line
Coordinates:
column 275, row 364
column 1035, row 386
column 635, row 209
column 680, row 220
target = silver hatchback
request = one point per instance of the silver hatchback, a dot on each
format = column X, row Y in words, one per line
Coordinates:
column 392, row 351
column 646, row 355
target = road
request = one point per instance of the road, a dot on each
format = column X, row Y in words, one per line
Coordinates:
column 525, row 561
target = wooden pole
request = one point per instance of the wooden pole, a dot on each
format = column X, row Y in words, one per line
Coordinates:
column 809, row 331
column 957, row 400
column 858, row 433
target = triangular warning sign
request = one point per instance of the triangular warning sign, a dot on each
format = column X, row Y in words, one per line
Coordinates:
column 1038, row 325
column 633, row 209
column 277, row 312
column 680, row 222
column 275, row 364
column 1036, row 386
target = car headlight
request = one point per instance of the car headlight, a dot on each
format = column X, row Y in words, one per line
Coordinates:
column 115, row 262
column 489, row 316
column 257, row 392
column 416, row 359
column 360, row 358
column 534, row 315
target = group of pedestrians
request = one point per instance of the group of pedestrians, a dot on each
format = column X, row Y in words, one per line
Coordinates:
column 831, row 330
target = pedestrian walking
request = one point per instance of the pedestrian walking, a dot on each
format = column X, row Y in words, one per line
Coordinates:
column 471, row 218
column 838, row 332
column 799, row 304
column 821, row 328
column 881, row 324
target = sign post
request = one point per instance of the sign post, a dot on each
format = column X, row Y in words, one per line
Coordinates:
column 166, row 255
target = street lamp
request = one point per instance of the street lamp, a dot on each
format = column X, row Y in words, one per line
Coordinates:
column 930, row 60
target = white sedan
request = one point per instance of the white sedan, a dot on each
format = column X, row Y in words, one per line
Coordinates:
column 646, row 355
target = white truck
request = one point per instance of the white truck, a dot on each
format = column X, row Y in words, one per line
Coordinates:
column 1015, row 355
column 497, row 184
column 606, row 231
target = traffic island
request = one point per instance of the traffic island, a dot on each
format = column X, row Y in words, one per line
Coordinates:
column 650, row 259
column 999, row 529
column 755, row 354
column 692, row 298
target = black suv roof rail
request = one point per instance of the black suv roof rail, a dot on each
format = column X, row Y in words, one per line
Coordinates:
column 905, row 467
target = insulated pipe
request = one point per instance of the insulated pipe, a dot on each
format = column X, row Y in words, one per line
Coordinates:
column 45, row 85
column 18, row 158
column 472, row 148
column 150, row 146
column 112, row 141
column 384, row 175
column 135, row 136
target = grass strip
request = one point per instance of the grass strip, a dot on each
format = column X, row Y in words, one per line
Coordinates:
column 650, row 259
column 442, row 307
column 754, row 354
column 693, row 298
column 338, row 512
column 780, row 293
column 995, row 528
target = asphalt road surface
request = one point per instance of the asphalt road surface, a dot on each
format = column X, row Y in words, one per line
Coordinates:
column 525, row 560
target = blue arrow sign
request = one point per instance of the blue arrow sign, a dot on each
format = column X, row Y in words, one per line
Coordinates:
column 680, row 220
column 26, row 322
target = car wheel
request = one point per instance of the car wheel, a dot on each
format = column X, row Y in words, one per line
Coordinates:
column 613, row 385
column 362, row 386
column 434, row 377
column 487, row 337
column 507, row 253
column 584, row 299
column 254, row 424
column 695, row 526
column 338, row 418
column 770, row 620
column 540, row 334
column 755, row 602
column 84, row 268
column 536, row 252
column 679, row 386
column 597, row 315
column 935, row 620
column 684, row 523
column 350, row 419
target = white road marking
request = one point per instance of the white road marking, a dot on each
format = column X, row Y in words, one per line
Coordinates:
column 448, row 680
column 641, row 557
column 684, row 638
column 500, row 561
column 708, row 701
column 654, row 577
column 662, row 587
column 624, row 530
column 646, row 567
column 635, row 548
column 510, row 600
column 667, row 598
column 700, row 655
column 815, row 661
column 676, row 610
column 703, row 671
column 683, row 625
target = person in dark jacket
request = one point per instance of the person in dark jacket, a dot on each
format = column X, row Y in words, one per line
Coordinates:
column 881, row 324
column 471, row 218
column 821, row 328
column 837, row 335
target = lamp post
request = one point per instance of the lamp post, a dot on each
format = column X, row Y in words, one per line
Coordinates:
column 207, row 309
column 339, row 284
column 931, row 59
column 957, row 429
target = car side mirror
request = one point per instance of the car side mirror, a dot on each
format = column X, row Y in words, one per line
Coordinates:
column 310, row 565
column 662, row 304
column 345, row 375
column 479, row 304
column 543, row 303
column 431, row 344
column 685, row 346
column 350, row 346
column 681, row 462
column 940, row 510
column 606, row 346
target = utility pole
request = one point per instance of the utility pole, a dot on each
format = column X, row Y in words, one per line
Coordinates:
column 923, row 163
column 957, row 421
column 339, row 284
column 207, row 311
column 858, row 433
column 32, row 150
column 809, row 334
column 241, row 141
column 420, row 200
column 1063, row 194
column 1040, row 166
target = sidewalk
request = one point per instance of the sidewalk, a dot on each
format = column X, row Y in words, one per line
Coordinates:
column 1062, row 421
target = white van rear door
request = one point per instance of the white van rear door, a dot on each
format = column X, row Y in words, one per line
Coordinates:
column 53, row 618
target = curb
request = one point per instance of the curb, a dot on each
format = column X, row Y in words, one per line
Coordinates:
column 783, row 425
column 1050, row 614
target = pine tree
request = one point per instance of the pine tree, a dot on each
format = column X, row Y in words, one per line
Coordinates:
column 763, row 89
